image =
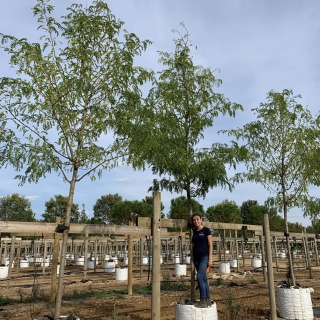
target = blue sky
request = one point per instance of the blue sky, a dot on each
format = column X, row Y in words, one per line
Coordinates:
column 258, row 46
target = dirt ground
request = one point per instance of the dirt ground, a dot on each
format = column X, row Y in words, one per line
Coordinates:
column 245, row 291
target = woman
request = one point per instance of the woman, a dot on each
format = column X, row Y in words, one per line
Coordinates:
column 202, row 258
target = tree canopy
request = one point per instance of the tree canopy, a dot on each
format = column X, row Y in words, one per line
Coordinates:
column 79, row 83
column 244, row 209
column 179, row 208
column 226, row 211
column 279, row 143
column 15, row 207
column 125, row 211
column 73, row 90
column 57, row 206
column 103, row 208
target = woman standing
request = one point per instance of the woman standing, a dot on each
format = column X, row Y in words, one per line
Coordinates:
column 202, row 258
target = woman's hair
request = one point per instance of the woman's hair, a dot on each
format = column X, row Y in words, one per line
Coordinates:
column 195, row 215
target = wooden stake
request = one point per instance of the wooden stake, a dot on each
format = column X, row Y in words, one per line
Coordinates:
column 272, row 296
column 130, row 242
column 156, row 251
column 55, row 258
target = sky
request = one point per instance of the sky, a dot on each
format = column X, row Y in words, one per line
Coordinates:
column 253, row 46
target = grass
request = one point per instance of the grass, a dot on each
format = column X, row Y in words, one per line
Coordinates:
column 5, row 300
column 116, row 316
column 37, row 293
column 253, row 280
column 218, row 282
column 78, row 295
column 234, row 309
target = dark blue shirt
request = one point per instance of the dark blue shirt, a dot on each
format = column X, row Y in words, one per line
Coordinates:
column 200, row 242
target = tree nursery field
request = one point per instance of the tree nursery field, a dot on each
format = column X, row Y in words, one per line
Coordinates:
column 237, row 295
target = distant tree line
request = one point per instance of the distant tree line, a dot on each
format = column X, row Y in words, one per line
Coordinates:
column 112, row 209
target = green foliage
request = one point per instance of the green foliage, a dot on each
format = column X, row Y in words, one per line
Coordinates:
column 295, row 227
column 115, row 315
column 174, row 286
column 94, row 220
column 280, row 143
column 244, row 209
column 252, row 213
column 83, row 216
column 5, row 300
column 57, row 206
column 16, row 208
column 252, row 280
column 36, row 293
column 75, row 295
column 180, row 106
column 112, row 209
column 179, row 208
column 103, row 208
column 143, row 290
column 226, row 211
column 149, row 200
column 218, row 282
column 256, row 213
column 126, row 211
column 234, row 309
column 77, row 84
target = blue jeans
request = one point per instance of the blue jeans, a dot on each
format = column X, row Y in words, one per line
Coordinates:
column 201, row 265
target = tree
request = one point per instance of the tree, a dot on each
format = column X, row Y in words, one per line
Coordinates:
column 252, row 213
column 57, row 206
column 256, row 212
column 125, row 211
column 149, row 200
column 94, row 220
column 16, row 208
column 179, row 208
column 295, row 227
column 103, row 208
column 279, row 142
column 244, row 209
column 83, row 216
column 180, row 106
column 226, row 211
column 79, row 83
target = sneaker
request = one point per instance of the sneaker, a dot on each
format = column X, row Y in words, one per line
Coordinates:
column 201, row 304
column 209, row 302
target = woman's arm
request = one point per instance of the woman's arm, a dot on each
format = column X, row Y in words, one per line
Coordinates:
column 210, row 250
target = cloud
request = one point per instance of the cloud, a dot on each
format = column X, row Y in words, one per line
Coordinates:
column 32, row 198
column 122, row 180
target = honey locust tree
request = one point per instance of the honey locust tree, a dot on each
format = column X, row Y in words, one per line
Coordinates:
column 72, row 90
column 279, row 142
column 181, row 105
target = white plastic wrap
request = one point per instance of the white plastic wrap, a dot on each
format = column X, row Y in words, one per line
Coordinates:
column 233, row 262
column 256, row 262
column 3, row 272
column 190, row 312
column 109, row 266
column 224, row 267
column 295, row 303
column 121, row 273
column 180, row 269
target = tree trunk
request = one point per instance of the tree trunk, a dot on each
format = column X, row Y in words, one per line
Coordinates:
column 285, row 214
column 193, row 273
column 64, row 245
